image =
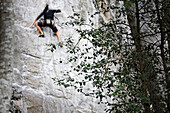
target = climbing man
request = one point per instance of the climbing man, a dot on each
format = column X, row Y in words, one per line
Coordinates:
column 48, row 21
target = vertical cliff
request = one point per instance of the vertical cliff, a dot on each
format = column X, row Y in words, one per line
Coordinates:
column 6, row 51
column 34, row 91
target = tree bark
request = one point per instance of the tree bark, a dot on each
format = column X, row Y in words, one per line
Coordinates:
column 134, row 23
column 166, row 22
column 163, row 40
column 6, row 35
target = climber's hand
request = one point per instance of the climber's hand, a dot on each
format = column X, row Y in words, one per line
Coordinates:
column 60, row 44
column 31, row 26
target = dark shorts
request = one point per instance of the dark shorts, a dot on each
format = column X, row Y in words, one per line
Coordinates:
column 43, row 23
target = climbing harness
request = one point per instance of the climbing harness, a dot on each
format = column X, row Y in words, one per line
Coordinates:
column 49, row 21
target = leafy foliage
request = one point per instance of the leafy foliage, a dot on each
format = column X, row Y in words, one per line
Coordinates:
column 124, row 68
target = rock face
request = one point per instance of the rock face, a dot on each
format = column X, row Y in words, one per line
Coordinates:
column 6, row 65
column 34, row 66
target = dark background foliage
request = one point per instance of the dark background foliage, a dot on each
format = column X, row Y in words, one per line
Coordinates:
column 126, row 59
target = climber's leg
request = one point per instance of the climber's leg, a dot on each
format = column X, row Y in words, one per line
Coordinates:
column 55, row 30
column 39, row 25
column 58, row 36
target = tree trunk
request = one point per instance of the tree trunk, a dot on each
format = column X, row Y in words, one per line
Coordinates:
column 6, row 35
column 134, row 23
column 162, row 23
column 166, row 21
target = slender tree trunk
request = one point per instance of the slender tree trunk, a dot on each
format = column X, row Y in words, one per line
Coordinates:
column 162, row 48
column 134, row 23
column 6, row 35
column 166, row 21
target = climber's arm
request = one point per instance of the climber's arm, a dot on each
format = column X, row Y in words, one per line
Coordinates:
column 46, row 8
column 33, row 22
column 37, row 18
column 57, row 11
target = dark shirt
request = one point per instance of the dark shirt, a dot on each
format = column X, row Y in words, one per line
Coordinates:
column 48, row 13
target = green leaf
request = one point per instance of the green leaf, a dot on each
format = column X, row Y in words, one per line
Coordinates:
column 128, row 4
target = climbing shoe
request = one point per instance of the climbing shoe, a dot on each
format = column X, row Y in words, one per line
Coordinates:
column 42, row 35
column 60, row 44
